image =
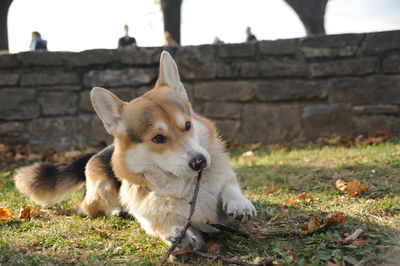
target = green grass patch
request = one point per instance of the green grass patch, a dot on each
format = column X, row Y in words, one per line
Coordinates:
column 60, row 237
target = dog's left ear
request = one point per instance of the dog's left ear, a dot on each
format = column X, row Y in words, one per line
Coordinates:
column 169, row 74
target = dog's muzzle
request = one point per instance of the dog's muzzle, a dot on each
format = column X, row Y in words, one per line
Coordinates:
column 198, row 163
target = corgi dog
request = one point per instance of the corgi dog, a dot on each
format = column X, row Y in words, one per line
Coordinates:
column 159, row 147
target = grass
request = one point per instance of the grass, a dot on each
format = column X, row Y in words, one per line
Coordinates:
column 60, row 237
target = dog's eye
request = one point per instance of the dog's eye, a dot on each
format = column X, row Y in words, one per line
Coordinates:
column 159, row 139
column 188, row 125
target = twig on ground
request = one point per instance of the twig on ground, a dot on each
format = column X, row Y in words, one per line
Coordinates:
column 256, row 235
column 229, row 260
column 192, row 204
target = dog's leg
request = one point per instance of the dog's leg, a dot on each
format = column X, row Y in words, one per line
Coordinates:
column 234, row 204
column 101, row 192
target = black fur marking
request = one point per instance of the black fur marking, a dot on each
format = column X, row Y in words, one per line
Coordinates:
column 134, row 137
column 144, row 123
column 179, row 105
column 49, row 175
column 105, row 158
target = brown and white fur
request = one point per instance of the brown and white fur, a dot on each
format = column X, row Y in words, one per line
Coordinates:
column 152, row 177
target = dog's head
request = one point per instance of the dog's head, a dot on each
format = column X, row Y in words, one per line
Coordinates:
column 157, row 131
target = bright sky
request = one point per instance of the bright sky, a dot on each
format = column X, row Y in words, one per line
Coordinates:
column 76, row 25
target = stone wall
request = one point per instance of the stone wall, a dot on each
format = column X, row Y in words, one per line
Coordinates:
column 269, row 91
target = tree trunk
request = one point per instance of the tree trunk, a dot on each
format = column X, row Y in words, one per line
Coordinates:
column 172, row 18
column 4, row 6
column 311, row 14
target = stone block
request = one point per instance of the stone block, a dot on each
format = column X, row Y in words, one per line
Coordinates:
column 8, row 79
column 283, row 68
column 287, row 47
column 58, row 103
column 391, row 63
column 237, row 50
column 238, row 91
column 48, row 79
column 331, row 46
column 228, row 70
column 18, row 104
column 8, row 60
column 325, row 120
column 380, row 42
column 95, row 133
column 222, row 110
column 61, row 133
column 43, row 58
column 269, row 123
column 228, row 129
column 119, row 78
column 376, row 109
column 15, row 132
column 196, row 62
column 92, row 57
column 348, row 67
column 85, row 104
column 60, row 88
column 140, row 56
column 365, row 91
column 369, row 124
column 290, row 90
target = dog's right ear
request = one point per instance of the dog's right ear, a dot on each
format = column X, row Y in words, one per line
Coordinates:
column 109, row 108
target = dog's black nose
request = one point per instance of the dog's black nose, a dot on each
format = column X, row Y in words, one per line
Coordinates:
column 199, row 162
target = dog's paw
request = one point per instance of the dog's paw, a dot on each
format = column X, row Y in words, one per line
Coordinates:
column 191, row 240
column 239, row 208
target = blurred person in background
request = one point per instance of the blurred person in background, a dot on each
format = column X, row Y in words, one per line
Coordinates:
column 250, row 36
column 37, row 43
column 126, row 41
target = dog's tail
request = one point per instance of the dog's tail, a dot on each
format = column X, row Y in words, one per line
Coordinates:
column 47, row 183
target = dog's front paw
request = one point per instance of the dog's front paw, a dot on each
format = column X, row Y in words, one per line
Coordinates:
column 239, row 208
column 191, row 240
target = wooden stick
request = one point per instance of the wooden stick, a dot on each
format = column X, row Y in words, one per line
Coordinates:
column 192, row 204
column 255, row 235
column 229, row 260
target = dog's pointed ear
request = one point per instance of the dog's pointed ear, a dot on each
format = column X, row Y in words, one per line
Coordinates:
column 109, row 108
column 169, row 74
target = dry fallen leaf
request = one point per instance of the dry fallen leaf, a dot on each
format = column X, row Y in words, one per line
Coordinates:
column 213, row 247
column 180, row 252
column 353, row 188
column 26, row 212
column 1, row 185
column 247, row 154
column 360, row 243
column 5, row 213
column 335, row 219
column 270, row 189
column 303, row 196
column 356, row 234
column 284, row 213
column 313, row 225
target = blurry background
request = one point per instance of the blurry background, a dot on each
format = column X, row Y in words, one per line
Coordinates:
column 75, row 25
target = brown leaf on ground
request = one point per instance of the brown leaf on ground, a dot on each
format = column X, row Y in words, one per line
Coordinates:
column 5, row 213
column 338, row 241
column 352, row 188
column 328, row 263
column 356, row 234
column 284, row 213
column 303, row 196
column 180, row 252
column 270, row 189
column 360, row 243
column 335, row 219
column 213, row 247
column 1, row 185
column 26, row 212
column 313, row 225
